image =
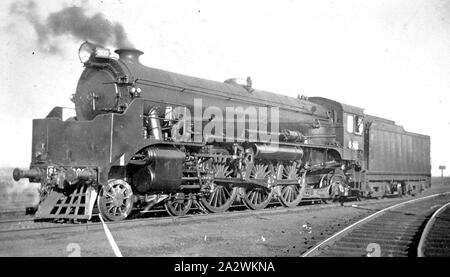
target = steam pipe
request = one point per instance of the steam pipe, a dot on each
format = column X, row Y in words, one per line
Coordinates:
column 276, row 152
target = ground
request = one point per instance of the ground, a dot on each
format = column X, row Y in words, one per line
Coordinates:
column 268, row 233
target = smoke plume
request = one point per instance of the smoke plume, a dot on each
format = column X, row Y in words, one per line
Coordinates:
column 72, row 21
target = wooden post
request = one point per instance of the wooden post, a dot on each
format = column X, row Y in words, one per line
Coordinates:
column 442, row 168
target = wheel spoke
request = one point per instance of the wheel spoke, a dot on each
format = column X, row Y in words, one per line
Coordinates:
column 288, row 193
column 252, row 194
column 108, row 201
column 211, row 197
column 227, row 193
column 224, row 195
column 219, row 196
column 216, row 198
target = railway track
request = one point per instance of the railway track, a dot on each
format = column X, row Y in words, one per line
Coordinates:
column 28, row 225
column 31, row 225
column 391, row 232
column 435, row 239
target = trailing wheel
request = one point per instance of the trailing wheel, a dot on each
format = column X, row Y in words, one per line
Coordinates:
column 290, row 195
column 115, row 200
column 258, row 197
column 178, row 204
column 337, row 186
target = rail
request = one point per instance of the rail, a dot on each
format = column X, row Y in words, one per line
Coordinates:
column 427, row 229
column 331, row 240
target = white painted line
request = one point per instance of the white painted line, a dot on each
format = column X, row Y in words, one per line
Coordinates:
column 111, row 240
column 365, row 219
column 428, row 228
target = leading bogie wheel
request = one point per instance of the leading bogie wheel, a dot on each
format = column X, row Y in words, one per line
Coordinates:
column 115, row 200
column 178, row 204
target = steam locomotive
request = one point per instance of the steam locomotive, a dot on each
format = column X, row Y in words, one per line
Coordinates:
column 143, row 136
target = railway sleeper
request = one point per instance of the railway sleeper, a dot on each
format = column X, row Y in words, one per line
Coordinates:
column 343, row 254
column 393, row 241
column 365, row 230
column 398, row 229
column 345, row 251
column 390, row 219
column 438, row 242
column 437, row 252
column 384, row 238
column 444, row 235
column 389, row 245
column 441, row 229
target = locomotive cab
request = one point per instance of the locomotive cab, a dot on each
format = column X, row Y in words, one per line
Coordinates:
column 353, row 142
column 349, row 124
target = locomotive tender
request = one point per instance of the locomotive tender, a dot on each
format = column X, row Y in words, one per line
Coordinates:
column 143, row 136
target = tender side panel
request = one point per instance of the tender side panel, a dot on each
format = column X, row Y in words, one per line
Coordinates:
column 395, row 154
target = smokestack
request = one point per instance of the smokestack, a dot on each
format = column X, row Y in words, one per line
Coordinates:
column 129, row 54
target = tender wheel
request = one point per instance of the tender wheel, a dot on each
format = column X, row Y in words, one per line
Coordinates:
column 115, row 200
column 256, row 198
column 178, row 204
column 219, row 198
column 290, row 195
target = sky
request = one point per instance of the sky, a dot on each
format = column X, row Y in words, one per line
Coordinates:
column 391, row 58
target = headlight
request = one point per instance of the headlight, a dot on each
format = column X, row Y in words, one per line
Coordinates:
column 85, row 51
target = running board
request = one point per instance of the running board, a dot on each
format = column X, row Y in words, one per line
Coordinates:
column 77, row 205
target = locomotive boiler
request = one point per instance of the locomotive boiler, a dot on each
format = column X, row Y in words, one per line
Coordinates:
column 143, row 136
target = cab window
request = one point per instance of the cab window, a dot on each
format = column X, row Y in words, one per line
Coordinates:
column 359, row 127
column 350, row 121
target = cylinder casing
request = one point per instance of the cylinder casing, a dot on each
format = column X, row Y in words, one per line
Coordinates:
column 163, row 173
